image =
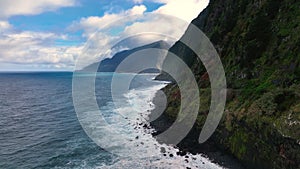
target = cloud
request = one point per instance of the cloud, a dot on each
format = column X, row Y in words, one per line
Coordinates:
column 162, row 24
column 169, row 28
column 29, row 48
column 184, row 9
column 136, row 10
column 36, row 48
column 95, row 23
column 31, row 7
column 181, row 12
column 39, row 49
column 4, row 26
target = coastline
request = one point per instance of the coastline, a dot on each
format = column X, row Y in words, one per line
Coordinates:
column 190, row 143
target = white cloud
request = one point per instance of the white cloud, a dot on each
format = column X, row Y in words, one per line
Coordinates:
column 162, row 24
column 36, row 48
column 31, row 7
column 39, row 48
column 168, row 27
column 137, row 10
column 29, row 48
column 184, row 9
column 94, row 23
column 4, row 25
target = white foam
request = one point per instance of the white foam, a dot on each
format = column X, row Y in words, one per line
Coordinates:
column 141, row 149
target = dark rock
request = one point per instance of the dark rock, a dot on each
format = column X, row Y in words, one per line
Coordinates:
column 162, row 150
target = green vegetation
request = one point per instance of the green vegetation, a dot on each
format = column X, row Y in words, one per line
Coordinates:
column 259, row 45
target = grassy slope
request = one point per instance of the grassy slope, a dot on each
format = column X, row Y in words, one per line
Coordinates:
column 259, row 44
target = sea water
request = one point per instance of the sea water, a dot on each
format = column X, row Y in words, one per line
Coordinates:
column 39, row 126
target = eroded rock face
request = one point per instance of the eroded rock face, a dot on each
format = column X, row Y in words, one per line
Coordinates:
column 259, row 45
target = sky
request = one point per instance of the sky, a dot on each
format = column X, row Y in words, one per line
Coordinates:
column 50, row 35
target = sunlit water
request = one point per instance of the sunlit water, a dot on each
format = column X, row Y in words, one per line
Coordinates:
column 39, row 127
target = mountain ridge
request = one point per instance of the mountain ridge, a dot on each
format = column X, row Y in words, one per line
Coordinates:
column 110, row 64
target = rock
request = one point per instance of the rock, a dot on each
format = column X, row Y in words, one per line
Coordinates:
column 162, row 150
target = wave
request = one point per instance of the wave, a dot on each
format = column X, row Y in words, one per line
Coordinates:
column 141, row 148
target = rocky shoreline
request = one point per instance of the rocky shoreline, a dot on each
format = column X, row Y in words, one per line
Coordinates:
column 190, row 144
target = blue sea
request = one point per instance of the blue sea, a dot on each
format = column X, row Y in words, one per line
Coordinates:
column 39, row 127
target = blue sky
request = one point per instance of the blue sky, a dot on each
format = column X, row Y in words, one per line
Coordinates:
column 61, row 18
column 50, row 34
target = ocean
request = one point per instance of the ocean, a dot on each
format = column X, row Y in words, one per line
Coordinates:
column 39, row 127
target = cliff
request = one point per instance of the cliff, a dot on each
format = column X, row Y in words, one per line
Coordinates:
column 259, row 45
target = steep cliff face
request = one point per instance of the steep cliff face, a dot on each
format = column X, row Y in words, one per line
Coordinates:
column 259, row 45
column 256, row 39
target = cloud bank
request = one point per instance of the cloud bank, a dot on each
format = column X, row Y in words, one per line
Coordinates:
column 31, row 7
column 39, row 49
